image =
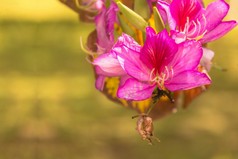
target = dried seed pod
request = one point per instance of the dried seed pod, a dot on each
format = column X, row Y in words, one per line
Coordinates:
column 145, row 127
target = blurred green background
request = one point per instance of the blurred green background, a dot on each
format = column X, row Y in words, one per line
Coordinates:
column 49, row 108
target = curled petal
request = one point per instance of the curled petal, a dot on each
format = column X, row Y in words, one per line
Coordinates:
column 105, row 21
column 101, row 27
column 150, row 32
column 187, row 80
column 215, row 12
column 219, row 31
column 99, row 84
column 128, row 55
column 163, row 8
column 207, row 57
column 111, row 19
column 108, row 65
column 127, row 42
column 135, row 90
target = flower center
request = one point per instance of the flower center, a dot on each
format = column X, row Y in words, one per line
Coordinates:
column 195, row 29
column 160, row 78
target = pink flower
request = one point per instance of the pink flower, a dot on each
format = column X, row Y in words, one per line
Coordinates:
column 108, row 65
column 189, row 20
column 104, row 22
column 159, row 63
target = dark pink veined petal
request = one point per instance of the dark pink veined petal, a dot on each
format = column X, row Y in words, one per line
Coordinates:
column 158, row 50
column 150, row 32
column 187, row 58
column 105, row 21
column 111, row 19
column 108, row 65
column 219, row 31
column 164, row 10
column 201, row 2
column 187, row 80
column 181, row 10
column 215, row 12
column 102, row 36
column 135, row 90
column 128, row 55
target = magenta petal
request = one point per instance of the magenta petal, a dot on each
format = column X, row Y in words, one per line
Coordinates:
column 187, row 80
column 123, row 79
column 215, row 12
column 201, row 2
column 158, row 50
column 183, row 9
column 188, row 56
column 128, row 55
column 99, row 84
column 219, row 31
column 127, row 42
column 135, row 90
column 108, row 65
column 101, row 27
column 164, row 10
column 150, row 32
column 105, row 21
column 111, row 19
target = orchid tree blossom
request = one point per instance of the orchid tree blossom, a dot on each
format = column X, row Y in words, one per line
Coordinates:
column 160, row 63
column 104, row 22
column 188, row 19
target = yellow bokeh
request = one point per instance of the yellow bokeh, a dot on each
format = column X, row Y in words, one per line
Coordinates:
column 35, row 10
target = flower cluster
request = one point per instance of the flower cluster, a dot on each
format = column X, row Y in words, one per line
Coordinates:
column 145, row 50
column 171, row 58
column 152, row 53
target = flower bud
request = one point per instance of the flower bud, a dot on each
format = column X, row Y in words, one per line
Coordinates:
column 159, row 24
column 135, row 19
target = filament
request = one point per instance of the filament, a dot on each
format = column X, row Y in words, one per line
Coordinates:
column 160, row 79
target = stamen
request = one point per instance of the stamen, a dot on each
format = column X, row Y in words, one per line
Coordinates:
column 194, row 29
column 167, row 73
column 86, row 50
column 89, row 60
column 164, row 76
column 151, row 73
column 205, row 20
column 201, row 36
column 199, row 27
column 186, row 26
column 172, row 72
